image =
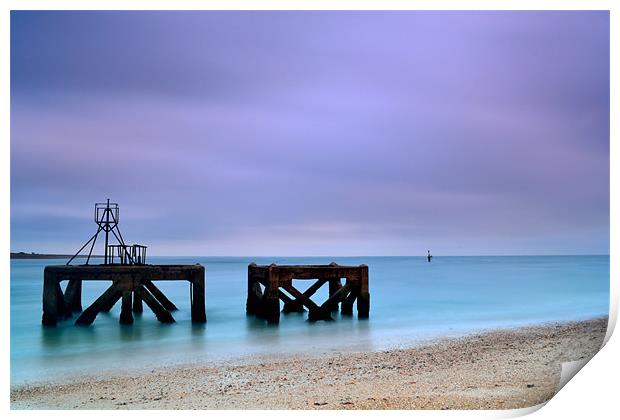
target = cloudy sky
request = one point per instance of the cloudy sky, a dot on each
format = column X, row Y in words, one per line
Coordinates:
column 323, row 133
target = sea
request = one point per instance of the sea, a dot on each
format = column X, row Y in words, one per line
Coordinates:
column 412, row 301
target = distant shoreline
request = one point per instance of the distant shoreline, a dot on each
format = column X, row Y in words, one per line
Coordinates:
column 35, row 256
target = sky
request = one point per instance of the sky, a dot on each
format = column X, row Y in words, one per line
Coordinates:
column 313, row 133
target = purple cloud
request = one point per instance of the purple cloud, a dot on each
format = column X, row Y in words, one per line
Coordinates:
column 296, row 133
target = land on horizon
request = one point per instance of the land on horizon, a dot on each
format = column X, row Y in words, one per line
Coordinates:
column 37, row 256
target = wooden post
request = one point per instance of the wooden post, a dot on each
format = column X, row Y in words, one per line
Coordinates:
column 363, row 300
column 126, row 315
column 50, row 299
column 271, row 299
column 346, row 308
column 137, row 303
column 255, row 294
column 60, row 299
column 199, row 314
column 73, row 296
column 334, row 286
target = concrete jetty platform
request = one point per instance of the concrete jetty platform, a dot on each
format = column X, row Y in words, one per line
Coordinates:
column 132, row 284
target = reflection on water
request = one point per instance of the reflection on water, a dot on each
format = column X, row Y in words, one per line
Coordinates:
column 410, row 300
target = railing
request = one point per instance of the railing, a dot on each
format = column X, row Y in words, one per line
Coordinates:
column 127, row 255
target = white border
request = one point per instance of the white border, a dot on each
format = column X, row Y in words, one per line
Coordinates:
column 595, row 392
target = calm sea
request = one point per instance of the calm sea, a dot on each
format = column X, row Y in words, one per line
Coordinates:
column 411, row 300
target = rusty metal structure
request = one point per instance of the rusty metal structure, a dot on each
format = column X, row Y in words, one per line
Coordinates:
column 106, row 218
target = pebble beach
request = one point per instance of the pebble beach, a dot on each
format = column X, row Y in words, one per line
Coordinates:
column 498, row 369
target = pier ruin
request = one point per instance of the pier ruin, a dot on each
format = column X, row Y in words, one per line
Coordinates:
column 270, row 284
column 132, row 280
column 131, row 284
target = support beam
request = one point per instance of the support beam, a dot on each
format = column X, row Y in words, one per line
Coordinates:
column 107, row 306
column 324, row 311
column 88, row 316
column 336, row 297
column 307, row 302
column 160, row 312
column 158, row 294
column 290, row 305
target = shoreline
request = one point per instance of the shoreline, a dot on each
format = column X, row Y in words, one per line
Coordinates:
column 497, row 369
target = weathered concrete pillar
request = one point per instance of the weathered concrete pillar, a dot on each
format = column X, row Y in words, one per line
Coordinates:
column 363, row 300
column 126, row 314
column 334, row 286
column 199, row 313
column 137, row 306
column 271, row 299
column 51, row 311
column 255, row 294
column 73, row 296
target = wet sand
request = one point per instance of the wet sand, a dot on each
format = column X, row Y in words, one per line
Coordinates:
column 502, row 369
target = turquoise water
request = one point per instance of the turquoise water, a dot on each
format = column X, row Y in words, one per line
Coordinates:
column 411, row 300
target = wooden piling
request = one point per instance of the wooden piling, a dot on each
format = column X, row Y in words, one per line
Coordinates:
column 363, row 300
column 126, row 312
column 255, row 293
column 334, row 286
column 50, row 298
column 271, row 299
column 197, row 300
column 73, row 296
column 137, row 304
